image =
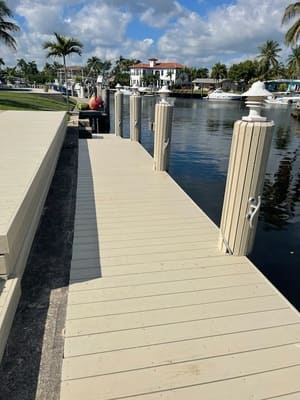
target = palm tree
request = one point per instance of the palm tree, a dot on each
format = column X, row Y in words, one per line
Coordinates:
column 94, row 64
column 62, row 47
column 219, row 71
column 10, row 74
column 6, row 26
column 293, row 62
column 268, row 57
column 292, row 34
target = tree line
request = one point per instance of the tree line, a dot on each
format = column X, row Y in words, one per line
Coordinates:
column 266, row 65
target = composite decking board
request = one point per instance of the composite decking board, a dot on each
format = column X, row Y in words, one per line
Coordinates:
column 140, row 337
column 210, row 266
column 115, row 307
column 292, row 396
column 9, row 298
column 80, row 275
column 30, row 141
column 192, row 349
column 177, row 375
column 154, row 309
column 91, row 233
column 34, row 159
column 258, row 386
column 168, row 276
column 84, row 243
column 162, row 288
column 91, row 251
column 170, row 316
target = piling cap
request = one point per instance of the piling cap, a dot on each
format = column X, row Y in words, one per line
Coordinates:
column 255, row 96
column 257, row 90
column 163, row 94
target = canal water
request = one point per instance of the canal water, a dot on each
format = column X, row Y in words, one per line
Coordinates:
column 201, row 140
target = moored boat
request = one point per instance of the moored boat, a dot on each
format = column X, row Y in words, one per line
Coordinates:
column 287, row 100
column 220, row 95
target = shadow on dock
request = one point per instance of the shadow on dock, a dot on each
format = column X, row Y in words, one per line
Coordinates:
column 86, row 263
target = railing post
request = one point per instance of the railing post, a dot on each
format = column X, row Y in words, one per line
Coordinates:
column 135, row 116
column 105, row 97
column 162, row 134
column 118, row 113
column 250, row 149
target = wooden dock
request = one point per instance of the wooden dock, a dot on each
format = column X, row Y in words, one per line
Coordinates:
column 155, row 310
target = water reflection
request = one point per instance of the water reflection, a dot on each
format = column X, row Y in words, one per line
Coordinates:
column 282, row 137
column 281, row 194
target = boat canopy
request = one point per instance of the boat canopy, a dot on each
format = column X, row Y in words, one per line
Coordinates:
column 283, row 85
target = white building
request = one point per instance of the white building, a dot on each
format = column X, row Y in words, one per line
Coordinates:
column 157, row 73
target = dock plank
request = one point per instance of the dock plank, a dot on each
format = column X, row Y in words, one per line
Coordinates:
column 111, row 341
column 182, row 374
column 191, row 349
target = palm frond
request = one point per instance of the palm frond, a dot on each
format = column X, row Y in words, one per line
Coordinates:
column 290, row 12
column 4, row 10
column 292, row 34
column 8, row 39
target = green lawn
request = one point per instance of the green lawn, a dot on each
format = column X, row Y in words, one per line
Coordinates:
column 10, row 100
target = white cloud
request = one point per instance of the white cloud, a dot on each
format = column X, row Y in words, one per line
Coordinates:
column 160, row 17
column 42, row 18
column 100, row 25
column 171, row 31
column 226, row 32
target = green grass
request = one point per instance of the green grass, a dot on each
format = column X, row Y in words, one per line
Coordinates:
column 10, row 100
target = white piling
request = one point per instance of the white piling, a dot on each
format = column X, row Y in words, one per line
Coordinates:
column 135, row 117
column 250, row 149
column 162, row 135
column 119, row 114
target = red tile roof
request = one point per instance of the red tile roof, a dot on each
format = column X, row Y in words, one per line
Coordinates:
column 159, row 65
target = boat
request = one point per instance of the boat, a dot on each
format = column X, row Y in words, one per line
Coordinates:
column 220, row 95
column 126, row 90
column 285, row 100
column 146, row 91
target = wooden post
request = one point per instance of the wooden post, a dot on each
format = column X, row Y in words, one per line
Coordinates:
column 119, row 113
column 135, row 117
column 249, row 154
column 105, row 97
column 162, row 135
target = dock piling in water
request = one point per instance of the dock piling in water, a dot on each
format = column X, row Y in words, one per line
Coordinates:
column 119, row 113
column 249, row 154
column 162, row 135
column 135, row 117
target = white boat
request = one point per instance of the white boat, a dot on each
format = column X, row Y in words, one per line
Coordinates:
column 220, row 95
column 126, row 91
column 287, row 100
column 147, row 91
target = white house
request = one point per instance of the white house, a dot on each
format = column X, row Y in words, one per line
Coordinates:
column 157, row 73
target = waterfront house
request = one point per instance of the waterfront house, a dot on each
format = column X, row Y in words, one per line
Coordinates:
column 210, row 84
column 157, row 74
column 73, row 72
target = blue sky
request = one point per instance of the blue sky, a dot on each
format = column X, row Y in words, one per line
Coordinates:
column 193, row 32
